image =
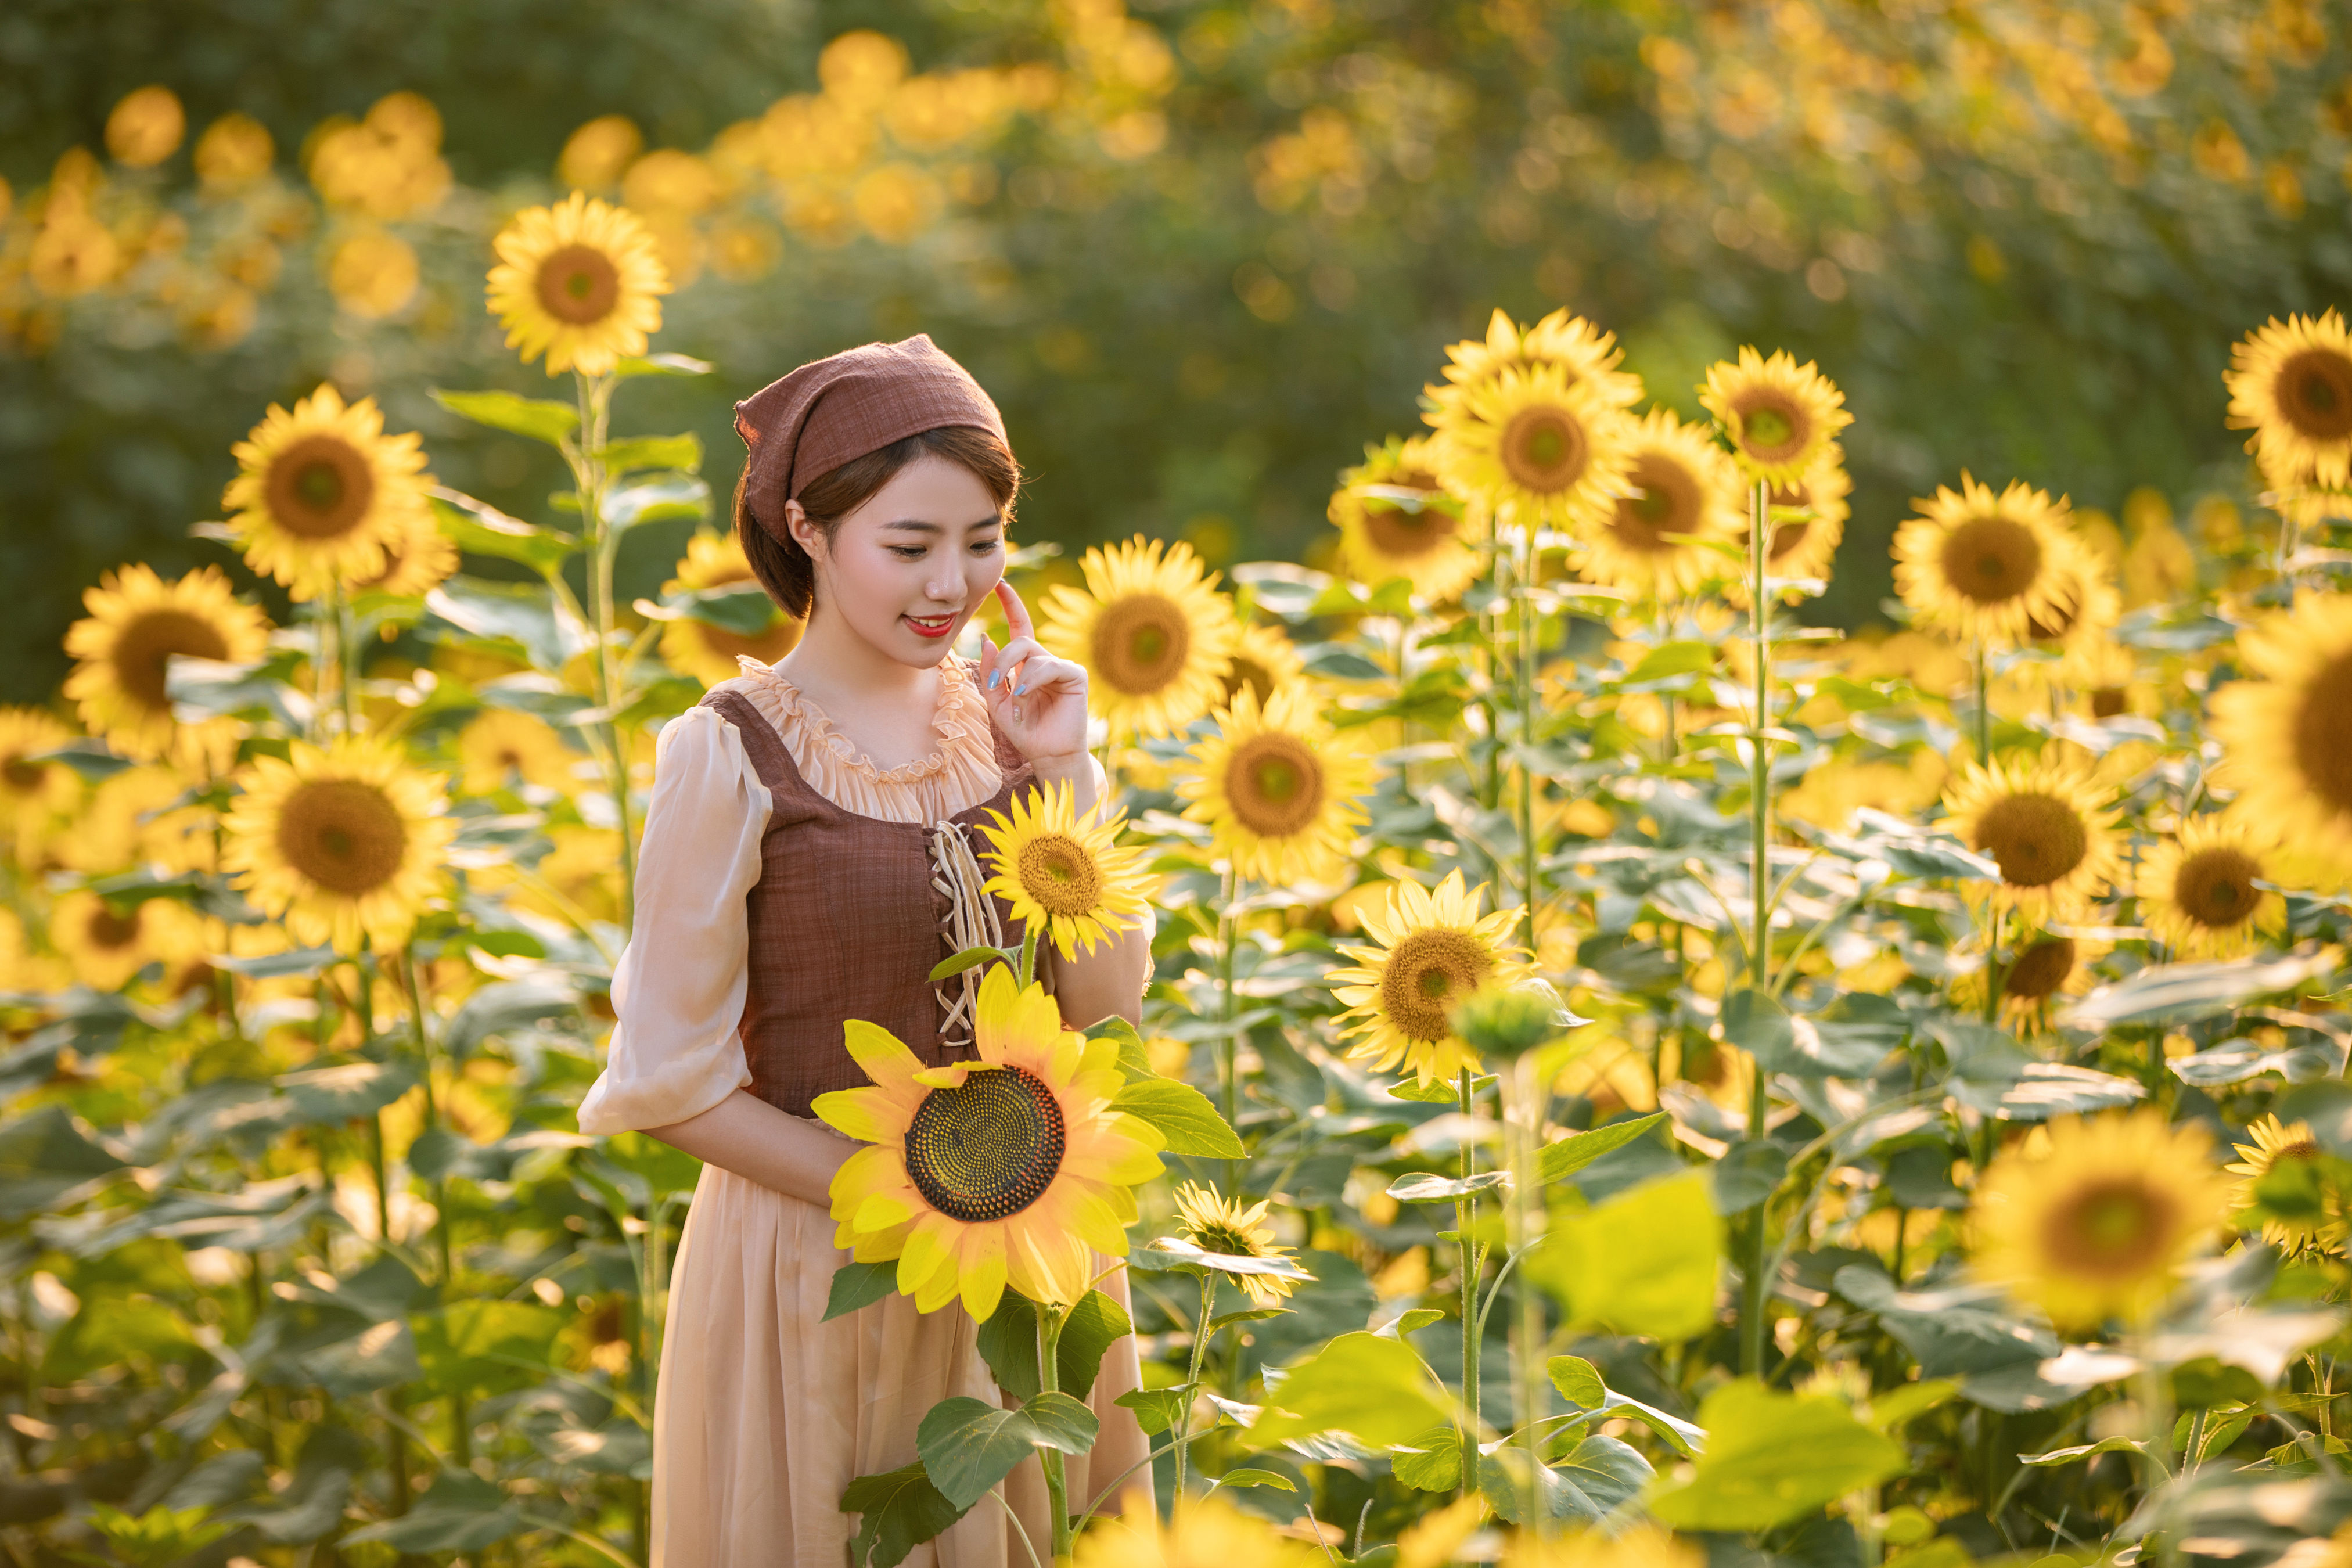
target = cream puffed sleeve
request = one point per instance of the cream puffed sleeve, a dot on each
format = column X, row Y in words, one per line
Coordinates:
column 679, row 989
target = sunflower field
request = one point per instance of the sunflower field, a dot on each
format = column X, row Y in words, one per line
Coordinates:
column 1631, row 1078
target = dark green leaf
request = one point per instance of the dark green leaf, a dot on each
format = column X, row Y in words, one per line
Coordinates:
column 537, row 418
column 1008, row 1344
column 665, row 364
column 331, row 1096
column 899, row 1510
column 1773, row 1457
column 1577, row 1380
column 1183, row 1116
column 651, row 499
column 508, row 1004
column 478, row 528
column 681, row 452
column 459, row 1512
column 856, row 1285
column 2184, row 993
column 968, row 1445
column 521, row 613
column 1748, row 1173
column 956, row 963
column 1156, row 1409
column 1578, row 1149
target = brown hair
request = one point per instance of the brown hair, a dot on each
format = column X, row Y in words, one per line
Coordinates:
column 784, row 569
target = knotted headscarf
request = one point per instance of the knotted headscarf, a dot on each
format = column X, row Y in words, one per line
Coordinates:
column 832, row 411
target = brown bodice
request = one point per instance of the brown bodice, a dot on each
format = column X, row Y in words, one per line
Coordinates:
column 846, row 921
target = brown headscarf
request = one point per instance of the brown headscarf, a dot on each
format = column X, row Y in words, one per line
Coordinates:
column 830, row 411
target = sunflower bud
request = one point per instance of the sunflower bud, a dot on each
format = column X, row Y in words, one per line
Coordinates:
column 1510, row 1020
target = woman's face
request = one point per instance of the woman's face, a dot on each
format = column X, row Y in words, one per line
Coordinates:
column 908, row 569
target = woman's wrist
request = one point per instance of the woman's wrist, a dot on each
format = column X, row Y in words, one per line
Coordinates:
column 1064, row 767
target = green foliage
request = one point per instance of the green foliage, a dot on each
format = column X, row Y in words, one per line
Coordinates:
column 1773, row 1457
column 1643, row 1262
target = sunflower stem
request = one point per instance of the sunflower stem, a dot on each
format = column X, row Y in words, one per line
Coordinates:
column 1760, row 947
column 1526, row 701
column 1984, row 712
column 1229, row 1048
column 1465, row 1209
column 1522, row 1125
column 1049, row 1344
column 1192, row 1379
column 1028, row 954
column 588, row 476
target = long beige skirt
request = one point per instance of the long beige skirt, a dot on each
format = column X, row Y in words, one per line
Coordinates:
column 764, row 1412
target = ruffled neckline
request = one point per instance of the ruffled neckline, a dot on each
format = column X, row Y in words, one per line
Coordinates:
column 958, row 773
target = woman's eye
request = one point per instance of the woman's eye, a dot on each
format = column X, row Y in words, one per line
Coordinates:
column 909, row 552
column 985, row 546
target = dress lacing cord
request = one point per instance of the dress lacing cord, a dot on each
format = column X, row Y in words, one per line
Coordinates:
column 971, row 923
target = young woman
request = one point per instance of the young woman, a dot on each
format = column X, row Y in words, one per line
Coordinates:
column 799, row 869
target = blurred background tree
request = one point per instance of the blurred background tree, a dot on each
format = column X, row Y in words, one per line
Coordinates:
column 1200, row 251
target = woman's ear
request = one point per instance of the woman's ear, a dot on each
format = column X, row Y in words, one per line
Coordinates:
column 806, row 534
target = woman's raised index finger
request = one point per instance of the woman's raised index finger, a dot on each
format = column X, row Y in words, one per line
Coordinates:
column 1017, row 614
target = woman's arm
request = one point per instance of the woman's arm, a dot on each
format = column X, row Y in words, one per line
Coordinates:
column 746, row 1135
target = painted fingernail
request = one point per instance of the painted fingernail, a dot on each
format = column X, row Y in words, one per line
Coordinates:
column 1020, row 692
column 994, row 676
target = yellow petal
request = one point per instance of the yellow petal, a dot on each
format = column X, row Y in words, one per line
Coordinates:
column 925, row 1254
column 983, row 1271
column 881, row 1211
column 950, row 1076
column 865, row 1114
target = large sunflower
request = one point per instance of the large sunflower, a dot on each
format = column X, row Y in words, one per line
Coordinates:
column 321, row 493
column 417, row 558
column 2198, row 892
column 1581, row 350
column 32, row 793
column 137, row 622
column 1551, row 447
column 1214, row 1223
column 339, row 843
column 1278, row 786
column 2275, row 1145
column 707, row 652
column 1063, row 875
column 1396, row 519
column 1012, row 1169
column 1263, row 660
column 2097, row 1225
column 1152, row 631
column 1680, row 484
column 1978, row 565
column 107, row 947
column 579, row 281
column 2287, row 736
column 2291, row 384
column 1781, row 417
column 1434, row 950
column 2045, row 825
column 1200, row 1532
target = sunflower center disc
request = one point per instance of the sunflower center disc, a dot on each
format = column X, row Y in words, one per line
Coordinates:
column 2322, row 734
column 1247, row 671
column 1276, row 784
column 2216, row 886
column 319, row 488
column 343, row 834
column 2318, row 394
column 1771, row 430
column 2107, row 701
column 1664, row 501
column 2035, row 838
column 579, row 285
column 24, row 776
column 1991, row 559
column 2039, row 969
column 988, row 1150
column 2113, row 1230
column 145, row 647
column 1060, row 874
column 1544, row 450
column 1395, row 531
column 111, row 931
column 1141, row 643
column 1426, row 974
